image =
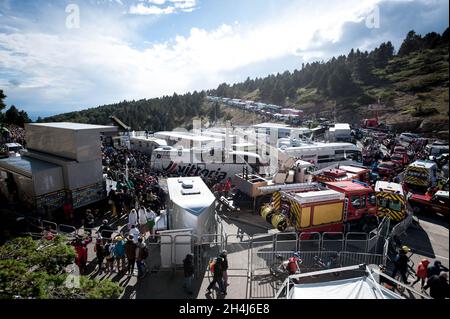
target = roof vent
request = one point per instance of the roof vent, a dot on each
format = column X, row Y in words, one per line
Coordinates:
column 186, row 183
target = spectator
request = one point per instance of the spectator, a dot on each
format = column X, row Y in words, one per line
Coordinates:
column 130, row 252
column 141, row 255
column 142, row 220
column 401, row 264
column 217, row 270
column 135, row 233
column 151, row 219
column 132, row 218
column 224, row 254
column 119, row 253
column 435, row 269
column 99, row 250
column 421, row 272
column 188, row 267
column 112, row 198
column 80, row 246
column 109, row 255
column 439, row 288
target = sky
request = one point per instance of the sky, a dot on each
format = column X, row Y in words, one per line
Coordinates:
column 60, row 56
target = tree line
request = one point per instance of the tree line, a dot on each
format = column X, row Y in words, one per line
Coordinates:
column 12, row 115
column 338, row 78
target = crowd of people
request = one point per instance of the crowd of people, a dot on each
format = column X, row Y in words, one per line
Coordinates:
column 137, row 184
column 431, row 276
column 11, row 133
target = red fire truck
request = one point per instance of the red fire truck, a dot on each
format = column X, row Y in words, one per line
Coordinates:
column 361, row 202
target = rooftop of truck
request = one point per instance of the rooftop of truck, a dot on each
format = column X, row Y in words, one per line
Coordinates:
column 348, row 186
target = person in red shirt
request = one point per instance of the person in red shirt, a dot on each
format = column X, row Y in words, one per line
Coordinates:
column 421, row 272
column 227, row 187
column 81, row 257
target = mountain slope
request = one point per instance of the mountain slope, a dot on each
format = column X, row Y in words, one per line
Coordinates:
column 412, row 86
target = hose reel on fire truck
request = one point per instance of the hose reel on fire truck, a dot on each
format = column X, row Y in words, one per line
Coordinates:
column 269, row 213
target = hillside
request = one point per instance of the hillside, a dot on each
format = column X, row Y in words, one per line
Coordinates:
column 412, row 86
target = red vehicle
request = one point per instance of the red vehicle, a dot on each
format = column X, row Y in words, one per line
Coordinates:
column 369, row 123
column 437, row 203
column 361, row 201
column 400, row 149
column 400, row 158
column 389, row 169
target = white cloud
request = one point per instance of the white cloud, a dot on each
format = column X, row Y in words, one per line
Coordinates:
column 156, row 9
column 88, row 68
column 144, row 10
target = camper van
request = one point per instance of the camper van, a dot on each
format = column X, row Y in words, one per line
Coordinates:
column 215, row 164
column 321, row 154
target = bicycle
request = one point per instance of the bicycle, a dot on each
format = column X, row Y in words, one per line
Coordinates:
column 329, row 264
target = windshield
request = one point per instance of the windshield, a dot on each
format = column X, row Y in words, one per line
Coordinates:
column 416, row 174
column 15, row 149
column 391, row 204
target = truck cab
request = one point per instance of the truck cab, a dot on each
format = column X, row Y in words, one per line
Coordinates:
column 360, row 198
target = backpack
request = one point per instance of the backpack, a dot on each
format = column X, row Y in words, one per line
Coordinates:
column 212, row 263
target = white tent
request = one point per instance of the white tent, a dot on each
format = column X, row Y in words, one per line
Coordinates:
column 352, row 288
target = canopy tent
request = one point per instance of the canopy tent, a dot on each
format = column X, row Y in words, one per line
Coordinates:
column 352, row 288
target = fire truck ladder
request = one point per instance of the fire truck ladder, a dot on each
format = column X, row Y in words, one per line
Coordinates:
column 289, row 187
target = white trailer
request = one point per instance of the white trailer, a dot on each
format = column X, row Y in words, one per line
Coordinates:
column 191, row 205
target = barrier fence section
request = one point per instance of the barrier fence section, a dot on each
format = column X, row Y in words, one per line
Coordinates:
column 356, row 242
column 210, row 245
column 332, row 241
column 239, row 254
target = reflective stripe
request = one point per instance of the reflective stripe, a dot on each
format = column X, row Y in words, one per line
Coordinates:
column 391, row 196
column 276, row 200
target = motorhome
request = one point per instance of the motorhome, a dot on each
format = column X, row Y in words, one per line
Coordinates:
column 321, row 154
column 189, row 140
column 146, row 144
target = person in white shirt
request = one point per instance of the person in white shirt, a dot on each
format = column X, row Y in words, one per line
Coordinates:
column 135, row 233
column 151, row 220
column 142, row 220
column 132, row 218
